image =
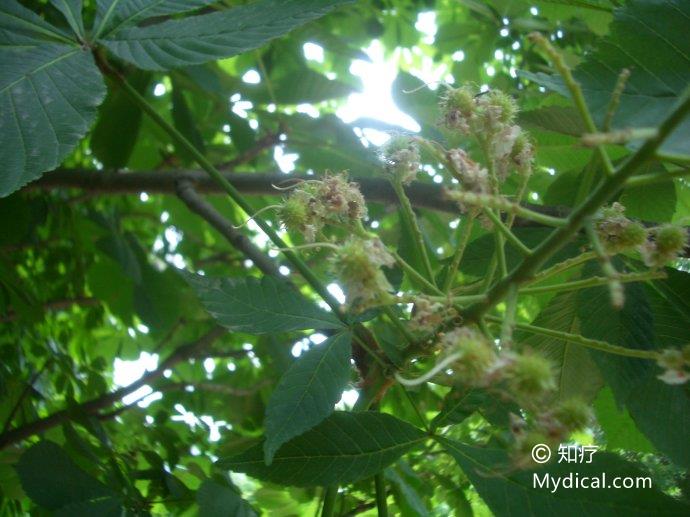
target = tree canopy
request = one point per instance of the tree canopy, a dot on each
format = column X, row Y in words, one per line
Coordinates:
column 338, row 257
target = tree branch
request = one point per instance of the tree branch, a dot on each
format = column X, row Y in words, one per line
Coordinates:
column 93, row 406
column 421, row 195
column 187, row 193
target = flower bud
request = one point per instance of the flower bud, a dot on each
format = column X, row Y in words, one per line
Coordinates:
column 616, row 232
column 298, row 215
column 671, row 359
column 530, row 376
column 522, row 154
column 401, row 158
column 457, row 109
column 474, row 177
column 664, row 244
column 573, row 414
column 427, row 315
column 477, row 354
column 495, row 110
column 357, row 263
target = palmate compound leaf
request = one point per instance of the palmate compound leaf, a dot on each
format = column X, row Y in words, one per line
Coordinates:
column 649, row 37
column 49, row 91
column 113, row 15
column 259, row 306
column 342, row 449
column 52, row 480
column 308, row 392
column 576, row 373
column 219, row 500
column 655, row 316
column 197, row 39
column 510, row 492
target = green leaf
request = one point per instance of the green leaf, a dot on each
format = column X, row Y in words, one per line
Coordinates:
column 460, row 404
column 576, row 373
column 113, row 15
column 23, row 28
column 52, row 480
column 49, row 93
column 649, row 38
column 71, row 10
column 508, row 492
column 654, row 316
column 655, row 203
column 184, row 122
column 197, row 39
column 259, row 306
column 619, row 429
column 560, row 119
column 308, row 392
column 117, row 129
column 217, row 500
column 342, row 449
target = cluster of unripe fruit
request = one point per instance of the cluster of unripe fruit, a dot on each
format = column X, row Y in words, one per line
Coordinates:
column 658, row 245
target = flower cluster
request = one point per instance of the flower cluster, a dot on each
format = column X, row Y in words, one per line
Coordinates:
column 314, row 204
column 401, row 158
column 658, row 245
column 427, row 315
column 676, row 365
column 663, row 244
column 616, row 232
column 526, row 378
column 357, row 263
column 490, row 118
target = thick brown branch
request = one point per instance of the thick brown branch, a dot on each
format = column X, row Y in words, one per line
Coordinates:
column 187, row 193
column 93, row 406
column 422, row 195
column 55, row 305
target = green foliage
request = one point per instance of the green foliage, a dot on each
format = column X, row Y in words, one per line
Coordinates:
column 259, row 306
column 495, row 294
column 344, row 448
column 307, row 392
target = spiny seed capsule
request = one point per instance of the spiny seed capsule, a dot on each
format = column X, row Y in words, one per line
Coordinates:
column 664, row 244
column 357, row 263
column 530, row 376
column 457, row 109
column 401, row 158
column 616, row 232
column 573, row 414
column 476, row 354
column 522, row 154
column 495, row 110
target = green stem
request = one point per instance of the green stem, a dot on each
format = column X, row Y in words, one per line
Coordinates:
column 500, row 253
column 415, row 275
column 603, row 192
column 522, row 190
column 329, row 497
column 381, row 496
column 593, row 282
column 500, row 203
column 509, row 318
column 649, row 179
column 577, row 339
column 388, row 311
column 411, row 219
column 615, row 287
column 234, row 194
column 561, row 267
column 463, row 239
column 512, row 238
column 576, row 94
